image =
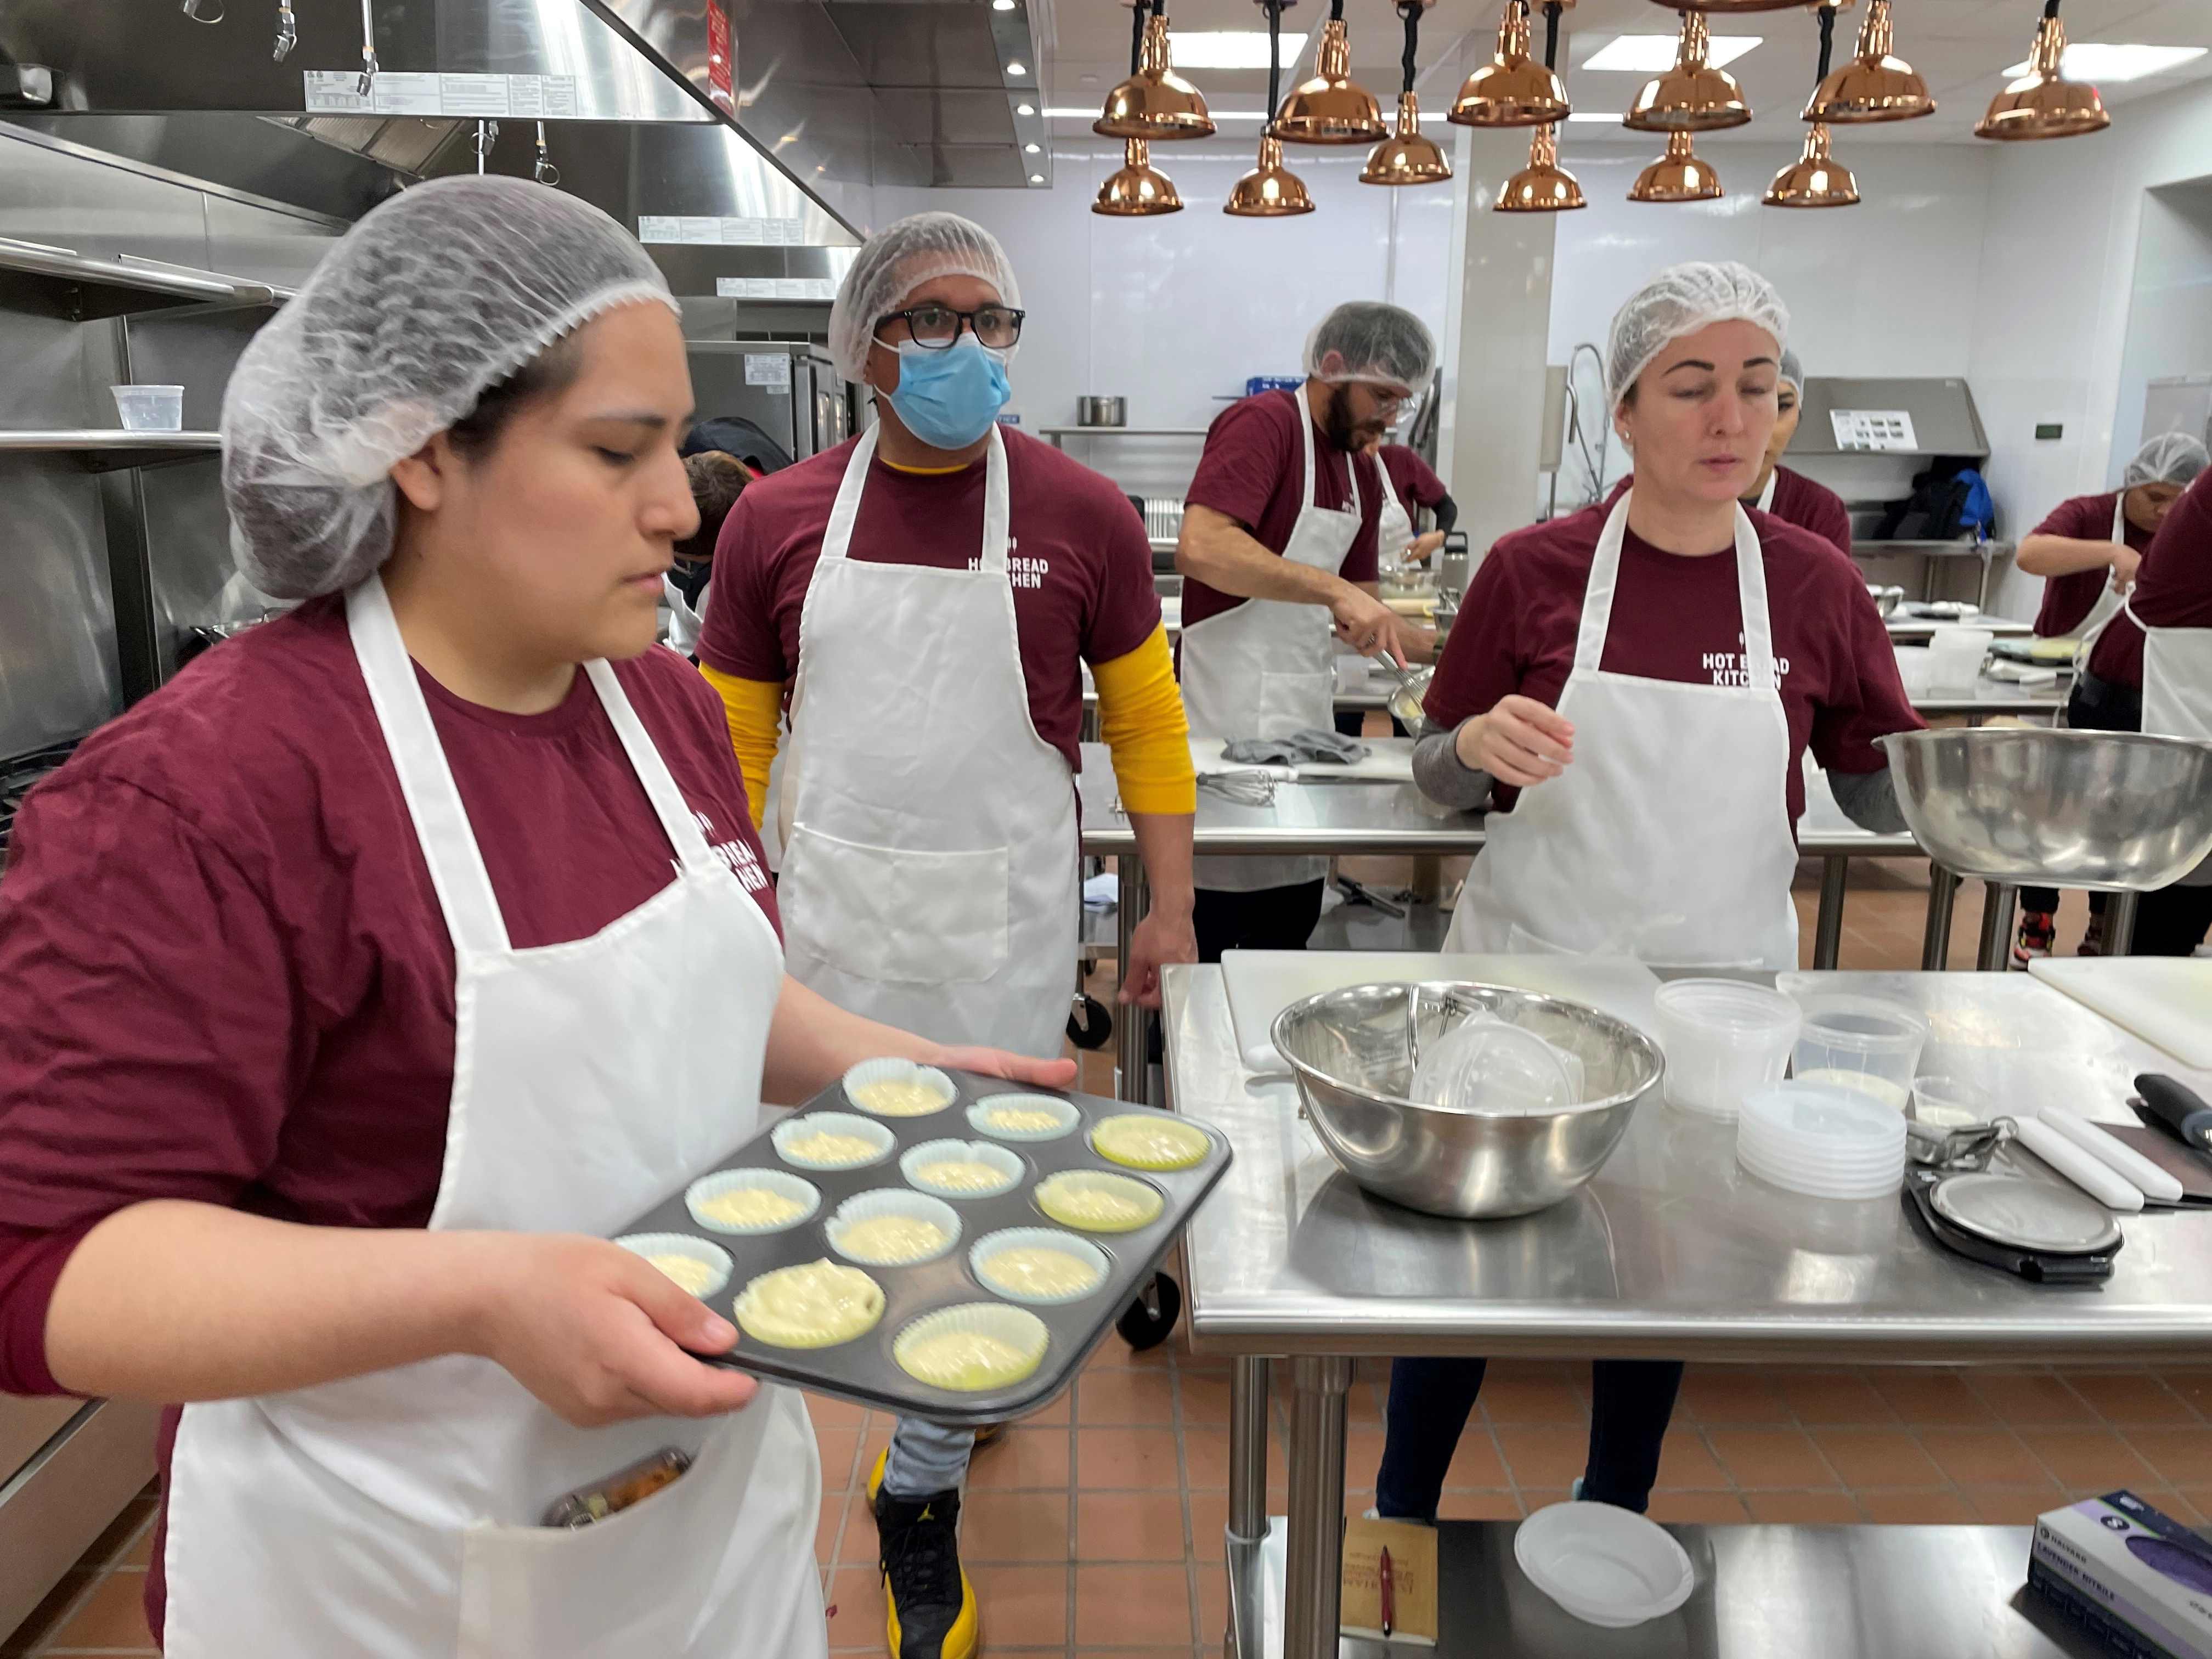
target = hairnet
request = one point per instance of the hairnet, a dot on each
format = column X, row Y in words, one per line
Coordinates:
column 1793, row 371
column 1385, row 345
column 2173, row 457
column 436, row 295
column 1681, row 300
column 898, row 260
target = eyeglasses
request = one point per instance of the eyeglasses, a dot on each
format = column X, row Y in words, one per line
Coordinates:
column 937, row 327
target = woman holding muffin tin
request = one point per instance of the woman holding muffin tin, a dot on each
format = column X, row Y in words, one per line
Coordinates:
column 341, row 1034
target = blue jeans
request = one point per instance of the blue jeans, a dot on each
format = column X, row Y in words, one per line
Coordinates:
column 926, row 1459
column 1429, row 1399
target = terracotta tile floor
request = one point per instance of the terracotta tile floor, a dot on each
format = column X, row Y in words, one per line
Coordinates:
column 1094, row 1527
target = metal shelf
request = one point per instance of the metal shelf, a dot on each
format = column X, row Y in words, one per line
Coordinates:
column 98, row 449
column 57, row 281
column 1940, row 550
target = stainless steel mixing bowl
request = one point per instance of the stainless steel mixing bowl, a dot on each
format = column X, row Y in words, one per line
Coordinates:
column 2111, row 811
column 1353, row 1052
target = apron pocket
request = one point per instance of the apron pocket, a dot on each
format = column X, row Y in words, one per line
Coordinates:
column 1295, row 703
column 895, row 915
column 634, row 1584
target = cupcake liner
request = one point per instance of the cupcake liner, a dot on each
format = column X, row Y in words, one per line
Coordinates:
column 893, row 1201
column 1049, row 1238
column 729, row 1180
column 755, row 1325
column 843, row 1123
column 1069, row 1183
column 1009, row 1165
column 1158, row 1128
column 1017, row 1327
column 1064, row 1116
column 649, row 1245
column 898, row 1071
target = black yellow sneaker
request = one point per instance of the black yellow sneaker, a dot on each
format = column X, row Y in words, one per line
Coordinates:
column 929, row 1604
column 2033, row 940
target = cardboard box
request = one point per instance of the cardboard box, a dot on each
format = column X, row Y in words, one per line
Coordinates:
column 2138, row 1581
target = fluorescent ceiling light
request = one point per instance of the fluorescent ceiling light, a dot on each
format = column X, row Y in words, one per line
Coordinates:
column 1030, row 149
column 1025, row 109
column 1654, row 54
column 1611, row 117
column 2098, row 60
column 1078, row 113
column 1037, row 178
column 1229, row 49
column 1017, row 68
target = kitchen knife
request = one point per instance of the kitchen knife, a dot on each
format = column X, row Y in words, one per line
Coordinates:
column 2178, row 1108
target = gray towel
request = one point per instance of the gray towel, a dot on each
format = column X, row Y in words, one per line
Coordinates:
column 1306, row 747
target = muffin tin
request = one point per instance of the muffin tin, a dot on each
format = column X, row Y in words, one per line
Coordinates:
column 863, row 1369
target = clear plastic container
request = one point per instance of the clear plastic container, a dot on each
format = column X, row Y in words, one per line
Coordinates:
column 151, row 408
column 1723, row 1039
column 1951, row 1103
column 1866, row 1043
column 1955, row 657
column 1824, row 1142
column 1487, row 1066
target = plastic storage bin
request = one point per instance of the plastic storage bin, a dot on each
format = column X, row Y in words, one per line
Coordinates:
column 151, row 408
column 1866, row 1043
column 1723, row 1039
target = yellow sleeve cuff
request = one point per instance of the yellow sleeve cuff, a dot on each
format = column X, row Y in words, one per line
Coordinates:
column 754, row 709
column 1141, row 718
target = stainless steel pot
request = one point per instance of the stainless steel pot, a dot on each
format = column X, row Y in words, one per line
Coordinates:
column 1352, row 1052
column 2113, row 811
column 1102, row 411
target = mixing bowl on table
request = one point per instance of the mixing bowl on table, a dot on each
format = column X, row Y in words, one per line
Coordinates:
column 1353, row 1053
column 2111, row 811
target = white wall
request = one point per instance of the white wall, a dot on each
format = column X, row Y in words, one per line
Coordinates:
column 2170, row 322
column 1174, row 312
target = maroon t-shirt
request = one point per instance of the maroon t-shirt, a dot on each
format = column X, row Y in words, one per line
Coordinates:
column 2069, row 599
column 1676, row 618
column 2173, row 586
column 1253, row 469
column 1413, row 480
column 1799, row 501
column 227, row 976
column 1079, row 559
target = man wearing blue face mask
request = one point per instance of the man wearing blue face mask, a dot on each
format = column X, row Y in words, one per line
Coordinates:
column 932, row 589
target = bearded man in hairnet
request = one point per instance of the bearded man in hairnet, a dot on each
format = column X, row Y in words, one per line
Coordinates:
column 1279, row 553
column 932, row 590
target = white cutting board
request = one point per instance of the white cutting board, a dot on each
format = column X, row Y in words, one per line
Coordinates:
column 1262, row 983
column 1389, row 760
column 2165, row 1000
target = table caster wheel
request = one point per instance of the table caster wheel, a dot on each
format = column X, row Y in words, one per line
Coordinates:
column 1151, row 1319
column 1088, row 1025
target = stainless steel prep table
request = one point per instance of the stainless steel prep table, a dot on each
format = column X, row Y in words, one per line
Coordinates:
column 1342, row 820
column 1671, row 1252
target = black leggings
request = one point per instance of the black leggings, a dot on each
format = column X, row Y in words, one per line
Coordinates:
column 1632, row 1401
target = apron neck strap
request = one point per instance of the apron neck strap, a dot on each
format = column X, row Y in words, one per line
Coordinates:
column 678, row 820
column 998, row 514
column 1750, row 587
column 434, row 801
column 2120, row 518
column 1310, row 497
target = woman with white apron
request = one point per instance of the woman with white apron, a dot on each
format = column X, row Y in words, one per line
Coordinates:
column 1654, row 810
column 2088, row 568
column 399, row 887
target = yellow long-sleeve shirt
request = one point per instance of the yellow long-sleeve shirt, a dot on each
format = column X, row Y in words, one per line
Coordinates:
column 1140, row 716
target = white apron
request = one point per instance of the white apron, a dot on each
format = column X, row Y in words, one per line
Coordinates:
column 1267, row 668
column 930, row 876
column 2109, row 599
column 1765, row 502
column 684, row 622
column 395, row 1515
column 1393, row 525
column 2176, row 695
column 1667, row 837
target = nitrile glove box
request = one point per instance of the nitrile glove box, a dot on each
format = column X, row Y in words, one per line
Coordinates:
column 2137, row 1580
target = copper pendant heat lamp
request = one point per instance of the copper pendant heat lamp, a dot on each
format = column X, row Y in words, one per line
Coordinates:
column 2043, row 103
column 1270, row 191
column 1406, row 157
column 1332, row 108
column 1137, row 190
column 1512, row 89
column 1692, row 96
column 1677, row 176
column 1154, row 103
column 1814, row 180
column 1542, row 187
column 1875, row 85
